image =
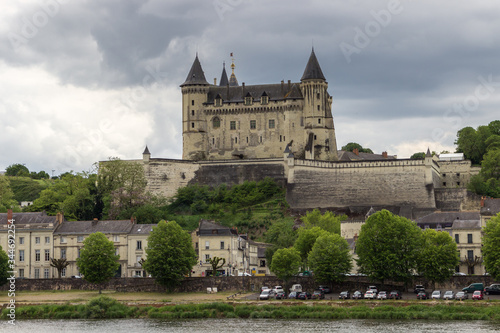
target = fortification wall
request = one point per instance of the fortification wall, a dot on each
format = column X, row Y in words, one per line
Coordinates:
column 166, row 176
column 375, row 183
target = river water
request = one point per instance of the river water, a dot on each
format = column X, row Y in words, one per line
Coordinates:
column 247, row 325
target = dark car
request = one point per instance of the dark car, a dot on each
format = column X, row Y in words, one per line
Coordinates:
column 318, row 294
column 395, row 294
column 280, row 295
column 423, row 295
column 325, row 289
column 304, row 295
column 346, row 295
column 493, row 289
column 293, row 295
column 357, row 295
column 419, row 288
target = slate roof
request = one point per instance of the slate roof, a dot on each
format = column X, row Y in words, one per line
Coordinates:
column 313, row 70
column 146, row 151
column 208, row 228
column 223, row 78
column 28, row 218
column 89, row 227
column 466, row 224
column 491, row 207
column 350, row 156
column 449, row 217
column 273, row 91
column 139, row 229
column 196, row 75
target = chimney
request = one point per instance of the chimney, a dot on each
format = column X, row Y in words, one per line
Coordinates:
column 289, row 85
column 356, row 151
column 355, row 237
column 133, row 220
column 482, row 201
column 282, row 85
column 10, row 216
column 94, row 222
column 59, row 218
column 384, row 154
column 215, row 81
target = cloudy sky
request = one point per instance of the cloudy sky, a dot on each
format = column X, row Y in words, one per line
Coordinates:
column 84, row 80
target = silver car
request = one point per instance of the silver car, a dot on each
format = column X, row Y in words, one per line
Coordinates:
column 449, row 294
column 436, row 294
column 461, row 295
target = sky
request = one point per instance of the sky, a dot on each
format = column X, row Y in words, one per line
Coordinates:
column 85, row 80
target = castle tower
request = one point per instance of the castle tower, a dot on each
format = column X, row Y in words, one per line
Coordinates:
column 194, row 127
column 318, row 120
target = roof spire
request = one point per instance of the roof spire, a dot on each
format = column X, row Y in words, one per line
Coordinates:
column 313, row 70
column 196, row 75
column 428, row 153
column 232, row 80
column 223, row 78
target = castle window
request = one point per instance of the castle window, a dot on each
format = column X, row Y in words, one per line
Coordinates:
column 192, row 125
column 216, row 122
column 192, row 102
column 264, row 100
column 318, row 96
column 314, row 136
column 253, row 124
column 280, row 138
column 457, row 238
column 444, row 184
column 271, row 123
column 444, row 175
column 458, row 175
column 247, row 139
column 261, row 138
column 218, row 100
column 248, row 100
column 318, row 107
column 192, row 112
column 458, row 183
column 213, row 141
column 319, row 120
column 232, row 125
column 235, row 140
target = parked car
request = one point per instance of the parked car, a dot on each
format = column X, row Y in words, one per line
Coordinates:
column 280, row 295
column 263, row 288
column 325, row 289
column 276, row 289
column 370, row 294
column 436, row 294
column 395, row 294
column 449, row 294
column 419, row 288
column 423, row 295
column 304, row 295
column 493, row 289
column 461, row 295
column 265, row 294
column 382, row 295
column 473, row 287
column 373, row 288
column 347, row 295
column 296, row 288
column 318, row 294
column 357, row 295
column 478, row 295
column 293, row 295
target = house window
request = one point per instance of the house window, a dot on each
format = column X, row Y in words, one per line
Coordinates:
column 116, row 238
column 37, row 240
column 216, row 122
column 21, row 255
column 470, row 255
column 21, row 240
column 47, row 240
column 79, row 239
column 262, row 263
column 138, row 259
column 207, row 257
column 139, row 245
column 37, row 273
column 138, row 273
column 47, row 255
column 469, row 238
column 207, row 245
column 222, row 245
column 79, row 249
column 117, row 251
column 63, row 239
column 264, row 99
column 37, row 255
column 457, row 238
column 196, row 245
column 253, row 124
column 232, row 125
column 46, row 273
column 21, row 272
column 271, row 123
column 63, row 272
column 63, row 253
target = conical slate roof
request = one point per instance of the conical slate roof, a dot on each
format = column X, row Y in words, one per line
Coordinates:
column 146, row 151
column 223, row 78
column 313, row 70
column 195, row 75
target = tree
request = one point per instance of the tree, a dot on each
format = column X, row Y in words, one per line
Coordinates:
column 306, row 239
column 487, row 182
column 59, row 264
column 6, row 195
column 388, row 246
column 353, row 145
column 282, row 235
column 330, row 258
column 19, row 170
column 491, row 247
column 438, row 256
column 216, row 264
column 170, row 255
column 98, row 262
column 418, row 156
column 4, row 267
column 285, row 264
column 328, row 221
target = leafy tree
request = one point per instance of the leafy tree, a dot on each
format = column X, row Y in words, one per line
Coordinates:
column 330, row 258
column 353, row 145
column 170, row 254
column 388, row 247
column 328, row 221
column 19, row 170
column 306, row 239
column 285, row 264
column 98, row 262
column 282, row 235
column 26, row 189
column 59, row 264
column 491, row 247
column 418, row 156
column 438, row 256
column 216, row 263
column 6, row 195
column 4, row 267
column 487, row 182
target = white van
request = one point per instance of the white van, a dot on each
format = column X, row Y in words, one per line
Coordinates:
column 297, row 288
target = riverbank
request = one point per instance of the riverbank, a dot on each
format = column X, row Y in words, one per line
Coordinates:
column 105, row 307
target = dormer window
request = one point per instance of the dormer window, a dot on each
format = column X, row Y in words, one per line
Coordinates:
column 248, row 99
column 264, row 99
column 218, row 100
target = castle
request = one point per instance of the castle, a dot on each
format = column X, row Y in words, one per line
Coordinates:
column 229, row 121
